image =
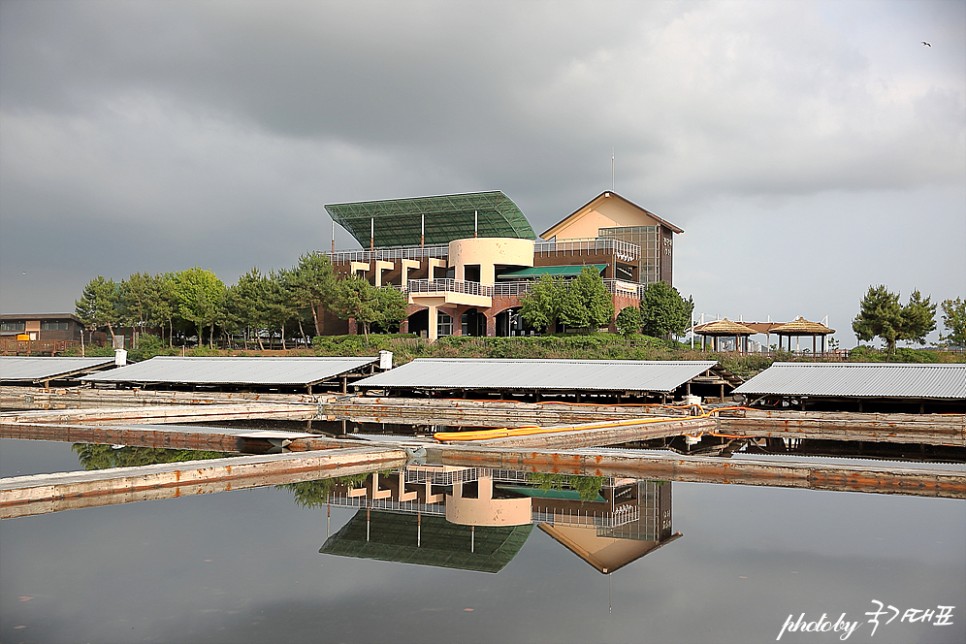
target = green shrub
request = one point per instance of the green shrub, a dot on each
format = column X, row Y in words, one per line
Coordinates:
column 149, row 346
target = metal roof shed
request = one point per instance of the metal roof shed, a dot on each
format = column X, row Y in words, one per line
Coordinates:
column 551, row 376
column 38, row 369
column 862, row 381
column 235, row 371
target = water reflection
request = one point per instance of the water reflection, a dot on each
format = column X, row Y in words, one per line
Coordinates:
column 478, row 518
column 470, row 518
column 101, row 457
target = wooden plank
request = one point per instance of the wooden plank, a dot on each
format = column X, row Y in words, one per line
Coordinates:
column 28, row 495
column 834, row 477
column 927, row 429
column 165, row 413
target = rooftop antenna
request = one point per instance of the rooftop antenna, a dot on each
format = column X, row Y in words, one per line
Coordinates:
column 613, row 163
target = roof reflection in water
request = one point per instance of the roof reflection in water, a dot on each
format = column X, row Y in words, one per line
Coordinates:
column 478, row 518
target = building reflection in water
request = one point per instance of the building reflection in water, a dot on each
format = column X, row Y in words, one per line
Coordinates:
column 479, row 518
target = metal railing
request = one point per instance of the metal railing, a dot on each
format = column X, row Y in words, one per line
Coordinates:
column 449, row 286
column 622, row 515
column 624, row 250
column 522, row 287
column 388, row 505
column 445, row 477
column 402, row 252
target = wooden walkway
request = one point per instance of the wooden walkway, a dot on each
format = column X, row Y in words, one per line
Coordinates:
column 313, row 457
column 42, row 493
column 878, row 479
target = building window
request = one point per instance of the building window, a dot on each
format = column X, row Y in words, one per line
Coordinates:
column 648, row 238
column 444, row 324
column 13, row 326
column 52, row 325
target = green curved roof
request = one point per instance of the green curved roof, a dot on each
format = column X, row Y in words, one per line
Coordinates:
column 448, row 217
column 393, row 537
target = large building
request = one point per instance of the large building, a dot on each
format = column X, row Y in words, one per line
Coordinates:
column 465, row 260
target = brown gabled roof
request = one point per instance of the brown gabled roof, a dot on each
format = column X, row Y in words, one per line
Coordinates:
column 607, row 194
column 724, row 327
column 801, row 326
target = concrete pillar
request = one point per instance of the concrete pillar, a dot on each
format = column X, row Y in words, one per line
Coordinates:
column 405, row 266
column 378, row 266
column 432, row 333
column 490, row 325
column 358, row 268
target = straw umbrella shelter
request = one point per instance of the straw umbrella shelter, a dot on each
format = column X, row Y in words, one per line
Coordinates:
column 725, row 328
column 801, row 327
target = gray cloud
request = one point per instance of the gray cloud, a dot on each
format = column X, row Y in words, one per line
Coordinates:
column 212, row 133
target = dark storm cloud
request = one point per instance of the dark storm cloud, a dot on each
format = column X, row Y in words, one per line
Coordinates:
column 218, row 130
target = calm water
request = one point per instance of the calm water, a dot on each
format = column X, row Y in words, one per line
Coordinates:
column 245, row 567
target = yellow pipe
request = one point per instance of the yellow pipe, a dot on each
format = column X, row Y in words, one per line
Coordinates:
column 532, row 430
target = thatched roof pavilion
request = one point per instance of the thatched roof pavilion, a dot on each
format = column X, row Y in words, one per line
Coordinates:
column 801, row 327
column 724, row 328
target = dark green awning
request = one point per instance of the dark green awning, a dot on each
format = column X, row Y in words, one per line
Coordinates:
column 398, row 222
column 537, row 271
column 392, row 537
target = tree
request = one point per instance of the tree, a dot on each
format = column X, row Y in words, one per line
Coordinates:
column 164, row 303
column 201, row 296
column 356, row 298
column 391, row 305
column 246, row 302
column 629, row 320
column 98, row 305
column 918, row 318
column 136, row 298
column 313, row 284
column 540, row 308
column 880, row 315
column 280, row 301
column 664, row 311
column 586, row 303
column 954, row 319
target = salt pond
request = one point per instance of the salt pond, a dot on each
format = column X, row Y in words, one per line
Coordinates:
column 245, row 566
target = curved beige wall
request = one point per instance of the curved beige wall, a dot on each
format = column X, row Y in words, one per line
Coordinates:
column 488, row 512
column 489, row 252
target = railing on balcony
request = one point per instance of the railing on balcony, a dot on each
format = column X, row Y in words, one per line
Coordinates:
column 625, row 251
column 522, row 287
column 449, row 286
column 387, row 254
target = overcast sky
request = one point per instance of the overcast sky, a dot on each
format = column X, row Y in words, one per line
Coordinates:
column 808, row 149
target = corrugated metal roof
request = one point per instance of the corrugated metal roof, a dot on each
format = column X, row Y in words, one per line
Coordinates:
column 33, row 369
column 569, row 375
column 233, row 371
column 860, row 380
